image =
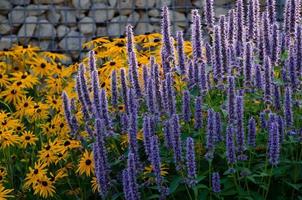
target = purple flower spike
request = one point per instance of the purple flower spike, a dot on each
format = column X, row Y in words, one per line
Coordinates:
column 288, row 104
column 186, row 111
column 181, row 53
column 146, row 77
column 217, row 59
column 230, row 145
column 126, row 185
column 132, row 171
column 190, row 162
column 210, row 135
column 147, row 135
column 133, row 73
column 84, row 88
column 275, row 44
column 67, row 112
column 156, row 163
column 105, row 112
column 174, row 125
column 248, row 65
column 209, row 13
column 130, row 40
column 170, row 94
column 114, row 95
column 150, row 97
column 82, row 99
column 267, row 80
column 208, row 54
column 231, row 27
column 132, row 135
column 240, row 22
column 252, row 22
column 198, row 113
column 97, row 104
column 258, row 77
column 263, row 120
column 298, row 48
column 274, row 144
column 124, row 89
column 168, row 134
column 216, row 182
column 251, row 139
column 291, row 63
column 196, row 36
column 92, row 62
column 240, row 136
column 231, row 99
column 203, row 80
column 277, row 100
column 271, row 6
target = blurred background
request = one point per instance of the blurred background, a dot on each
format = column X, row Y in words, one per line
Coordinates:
column 64, row 25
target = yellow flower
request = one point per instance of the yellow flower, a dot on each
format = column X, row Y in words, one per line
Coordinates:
column 40, row 66
column 95, row 186
column 44, row 187
column 125, row 139
column 54, row 102
column 35, row 174
column 4, row 80
column 28, row 139
column 13, row 94
column 23, row 107
column 86, row 164
column 27, row 79
column 4, row 193
column 7, row 138
column 3, row 173
column 38, row 111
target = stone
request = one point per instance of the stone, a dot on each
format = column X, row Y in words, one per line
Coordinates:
column 142, row 28
column 7, row 41
column 68, row 16
column 87, row 25
column 45, row 30
column 5, row 6
column 112, row 3
column 36, row 9
column 115, row 28
column 161, row 3
column 124, row 7
column 222, row 2
column 219, row 11
column 133, row 18
column 4, row 25
column 100, row 14
column 101, row 31
column 154, row 13
column 49, row 1
column 81, row 4
column 20, row 2
column 62, row 30
column 179, row 18
column 43, row 45
column 198, row 3
column 144, row 3
column 100, row 1
column 27, row 30
column 52, row 16
column 73, row 41
column 17, row 16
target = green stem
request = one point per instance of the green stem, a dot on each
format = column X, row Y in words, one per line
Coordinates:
column 269, row 182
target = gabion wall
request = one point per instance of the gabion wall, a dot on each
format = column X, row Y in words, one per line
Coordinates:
column 64, row 25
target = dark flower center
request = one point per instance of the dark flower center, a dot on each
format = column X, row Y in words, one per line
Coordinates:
column 47, row 147
column 119, row 44
column 67, row 143
column 27, row 137
column 23, row 76
column 88, row 162
column 25, row 104
column 43, row 65
column 13, row 91
column 19, row 83
column 44, row 183
column 1, row 76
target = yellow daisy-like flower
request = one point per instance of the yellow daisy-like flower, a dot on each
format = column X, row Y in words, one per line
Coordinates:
column 27, row 79
column 35, row 174
column 38, row 111
column 86, row 164
column 54, row 102
column 13, row 94
column 3, row 173
column 44, row 187
column 125, row 138
column 40, row 66
column 95, row 185
column 28, row 139
column 4, row 80
column 4, row 193
column 23, row 107
column 7, row 139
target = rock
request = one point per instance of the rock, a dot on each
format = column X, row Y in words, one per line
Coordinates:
column 142, row 28
column 20, row 2
column 4, row 25
column 220, row 11
column 68, row 16
column 154, row 13
column 48, row 1
column 17, row 16
column 34, row 9
column 161, row 3
column 99, row 13
column 87, row 25
column 27, row 29
column 100, row 1
column 52, row 16
column 101, row 31
column 81, row 4
column 7, row 41
column 144, row 3
column 133, row 18
column 112, row 3
column 222, row 2
column 62, row 30
column 115, row 28
column 154, row 20
column 43, row 45
column 45, row 30
column 73, row 41
column 5, row 6
column 179, row 18
column 198, row 3
column 124, row 7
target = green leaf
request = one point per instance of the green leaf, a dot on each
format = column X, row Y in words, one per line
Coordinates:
column 174, row 184
column 294, row 185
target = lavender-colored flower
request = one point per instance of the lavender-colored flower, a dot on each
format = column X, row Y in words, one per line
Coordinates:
column 133, row 73
column 190, row 161
column 248, row 64
column 231, row 99
column 132, row 171
column 124, row 89
column 191, row 79
column 197, row 73
column 168, row 134
column 198, row 113
column 266, row 31
column 181, row 53
column 186, row 111
column 132, row 102
column 240, row 136
column 92, row 62
column 82, row 99
column 251, row 136
column 267, row 80
column 258, row 77
column 84, row 88
column 224, row 46
column 218, row 131
column 298, row 48
column 291, row 66
column 155, row 161
column 230, row 145
column 286, row 16
column 130, row 40
column 217, row 60
column 275, row 42
column 114, row 95
column 126, row 185
column 288, row 104
column 263, row 120
column 97, row 104
column 147, row 135
column 271, row 6
column 105, row 112
column 231, row 27
column 209, row 13
column 216, row 182
column 240, row 22
column 124, row 122
column 281, row 128
column 252, row 22
column 274, row 144
column 174, row 124
column 196, row 36
column 170, row 94
column 100, row 157
column 150, row 97
column 67, row 112
column 210, row 135
column 208, row 54
column 277, row 100
column 132, row 135
column 294, row 14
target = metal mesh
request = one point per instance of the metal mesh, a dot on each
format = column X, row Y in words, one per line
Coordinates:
column 65, row 26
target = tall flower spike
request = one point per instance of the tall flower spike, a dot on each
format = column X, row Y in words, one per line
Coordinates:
column 224, row 47
column 186, row 111
column 240, row 136
column 275, row 44
column 216, row 182
column 298, row 48
column 210, row 135
column 82, row 99
column 217, row 59
column 198, row 113
column 209, row 13
column 124, row 89
column 158, row 86
column 181, row 53
column 277, row 100
column 130, row 40
column 100, row 158
column 203, row 78
column 294, row 14
column 230, row 145
column 251, row 139
column 97, row 104
column 170, row 94
column 150, row 97
column 291, row 66
column 218, row 131
column 267, row 80
column 126, row 185
column 231, row 99
column 190, row 161
column 132, row 172
column 67, row 111
column 258, row 77
column 114, row 94
column 251, row 21
column 274, row 144
column 286, row 16
column 263, row 120
column 176, row 140
column 266, row 31
column 231, row 27
column 105, row 112
column 132, row 135
column 208, row 54
column 92, row 62
column 156, row 162
column 196, row 36
column 271, row 6
column 134, row 73
column 84, row 87
column 168, row 134
column 288, row 104
column 281, row 128
column 240, row 23
column 248, row 65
